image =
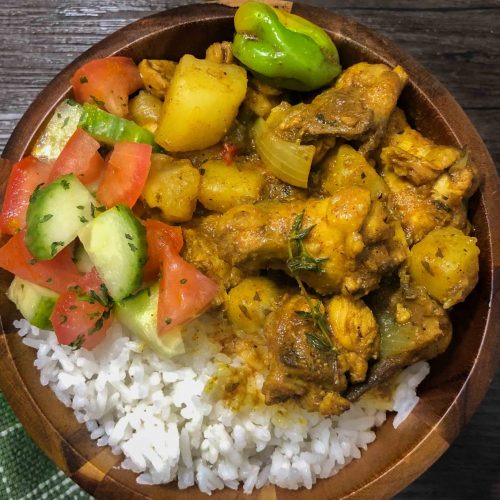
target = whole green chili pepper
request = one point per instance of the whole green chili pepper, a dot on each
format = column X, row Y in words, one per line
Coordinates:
column 283, row 49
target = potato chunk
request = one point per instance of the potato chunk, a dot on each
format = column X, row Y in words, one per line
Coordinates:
column 347, row 167
column 201, row 103
column 446, row 263
column 250, row 302
column 172, row 186
column 223, row 187
column 145, row 109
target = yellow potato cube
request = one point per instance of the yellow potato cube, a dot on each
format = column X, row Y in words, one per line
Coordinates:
column 249, row 303
column 172, row 186
column 446, row 263
column 201, row 103
column 223, row 187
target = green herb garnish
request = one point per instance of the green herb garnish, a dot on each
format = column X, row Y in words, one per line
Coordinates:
column 54, row 245
column 298, row 257
column 77, row 343
column 300, row 260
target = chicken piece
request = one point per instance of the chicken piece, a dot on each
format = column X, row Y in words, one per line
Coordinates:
column 261, row 98
column 355, row 334
column 357, row 107
column 253, row 237
column 429, row 184
column 414, row 157
column 156, row 75
column 378, row 87
column 413, row 327
column 220, row 52
column 333, row 112
column 202, row 252
column 277, row 190
column 297, row 369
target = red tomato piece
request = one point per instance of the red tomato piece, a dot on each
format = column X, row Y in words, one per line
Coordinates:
column 125, row 174
column 229, row 151
column 56, row 274
column 79, row 318
column 25, row 176
column 80, row 156
column 185, row 292
column 107, row 82
column 159, row 235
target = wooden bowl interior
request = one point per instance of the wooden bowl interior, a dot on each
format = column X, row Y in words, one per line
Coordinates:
column 396, row 457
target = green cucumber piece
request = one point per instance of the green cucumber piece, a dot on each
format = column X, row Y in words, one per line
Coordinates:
column 34, row 302
column 139, row 314
column 110, row 129
column 81, row 259
column 55, row 215
column 115, row 242
column 57, row 132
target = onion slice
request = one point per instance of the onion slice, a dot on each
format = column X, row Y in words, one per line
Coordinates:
column 288, row 161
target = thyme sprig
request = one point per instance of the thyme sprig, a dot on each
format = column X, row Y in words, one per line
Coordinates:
column 320, row 338
column 300, row 260
column 298, row 257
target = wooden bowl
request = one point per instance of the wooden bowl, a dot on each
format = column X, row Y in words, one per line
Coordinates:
column 458, row 379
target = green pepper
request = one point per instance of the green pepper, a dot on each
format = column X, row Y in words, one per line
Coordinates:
column 283, row 49
column 109, row 129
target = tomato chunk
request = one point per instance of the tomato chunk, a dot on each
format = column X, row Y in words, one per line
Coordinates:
column 82, row 316
column 80, row 156
column 107, row 82
column 25, row 176
column 229, row 151
column 56, row 274
column 125, row 174
column 185, row 292
column 159, row 235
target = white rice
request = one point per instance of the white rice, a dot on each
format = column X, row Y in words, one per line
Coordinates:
column 157, row 414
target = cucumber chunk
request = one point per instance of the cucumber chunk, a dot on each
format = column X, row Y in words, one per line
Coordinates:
column 58, row 131
column 81, row 259
column 55, row 215
column 110, row 129
column 34, row 302
column 139, row 314
column 116, row 243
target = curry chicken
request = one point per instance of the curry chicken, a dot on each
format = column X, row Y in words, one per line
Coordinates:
column 334, row 286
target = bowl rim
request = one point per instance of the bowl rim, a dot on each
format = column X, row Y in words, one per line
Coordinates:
column 468, row 396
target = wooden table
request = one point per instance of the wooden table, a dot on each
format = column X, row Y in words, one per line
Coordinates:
column 459, row 42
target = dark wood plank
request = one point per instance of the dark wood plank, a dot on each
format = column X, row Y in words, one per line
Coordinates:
column 456, row 41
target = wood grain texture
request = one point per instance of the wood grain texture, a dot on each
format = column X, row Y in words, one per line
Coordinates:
column 459, row 45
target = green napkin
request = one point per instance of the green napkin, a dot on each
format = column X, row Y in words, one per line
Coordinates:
column 25, row 472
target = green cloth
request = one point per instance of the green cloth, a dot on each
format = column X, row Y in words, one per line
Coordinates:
column 25, row 472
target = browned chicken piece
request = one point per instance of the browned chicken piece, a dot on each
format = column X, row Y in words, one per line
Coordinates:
column 357, row 107
column 413, row 327
column 297, row 369
column 333, row 112
column 202, row 252
column 429, row 184
column 156, row 75
column 253, row 237
column 378, row 88
column 355, row 334
column 261, row 98
column 220, row 52
column 412, row 156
